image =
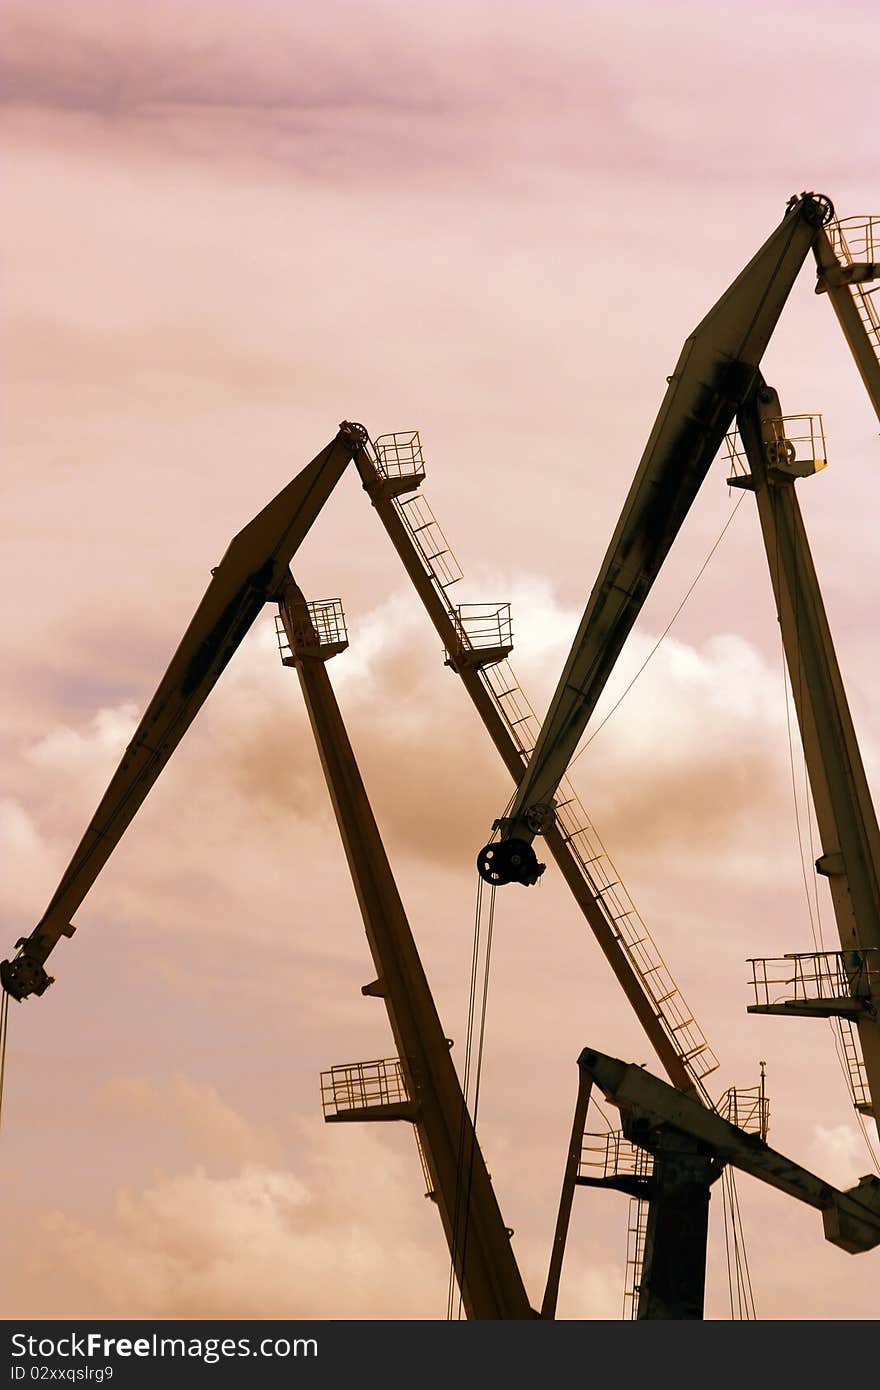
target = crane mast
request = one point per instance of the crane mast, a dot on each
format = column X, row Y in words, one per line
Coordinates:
column 431, row 1097
column 845, row 987
column 680, row 1149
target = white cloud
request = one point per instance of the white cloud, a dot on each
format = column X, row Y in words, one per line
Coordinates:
column 838, row 1154
column 260, row 1244
column 215, row 1128
column 25, row 857
column 92, row 749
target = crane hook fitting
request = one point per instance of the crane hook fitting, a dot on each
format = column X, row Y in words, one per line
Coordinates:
column 509, row 861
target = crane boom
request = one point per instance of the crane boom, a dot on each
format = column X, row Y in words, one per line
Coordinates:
column 851, row 1218
column 251, row 572
column 685, row 1147
column 711, row 380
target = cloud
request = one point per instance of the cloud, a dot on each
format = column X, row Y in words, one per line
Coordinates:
column 25, row 856
column 694, row 759
column 263, row 1243
column 110, row 60
column 468, row 86
column 228, row 228
column 99, row 746
column 214, row 1127
column 838, row 1154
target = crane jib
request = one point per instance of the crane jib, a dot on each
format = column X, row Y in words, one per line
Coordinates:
column 713, row 376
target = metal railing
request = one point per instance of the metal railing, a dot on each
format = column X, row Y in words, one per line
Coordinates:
column 793, row 439
column 796, row 439
column 399, row 455
column 358, row 1085
column 815, row 975
column 856, row 240
column 612, row 1155
column 483, row 627
column 317, row 626
column 746, row 1107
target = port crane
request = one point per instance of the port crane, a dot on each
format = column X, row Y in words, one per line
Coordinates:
column 717, row 381
column 670, row 1151
column 254, row 570
column 420, row 1085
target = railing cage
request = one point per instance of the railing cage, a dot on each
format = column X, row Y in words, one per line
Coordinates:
column 399, row 455
column 357, row 1085
column 484, row 626
column 792, row 439
column 855, row 240
column 796, row 439
column 748, row 1108
column 817, row 975
column 612, row 1155
column 318, row 624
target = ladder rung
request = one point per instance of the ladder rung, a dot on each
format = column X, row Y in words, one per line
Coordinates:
column 585, row 862
column 664, row 998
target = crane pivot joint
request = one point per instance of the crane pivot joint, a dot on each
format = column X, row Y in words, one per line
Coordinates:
column 23, row 976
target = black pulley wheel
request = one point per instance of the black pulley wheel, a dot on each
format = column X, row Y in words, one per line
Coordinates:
column 508, row 861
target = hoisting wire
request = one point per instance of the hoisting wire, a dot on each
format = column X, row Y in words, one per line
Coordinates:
column 727, row 1243
column 700, row 572
column 477, row 1075
column 462, row 1129
column 472, row 1067
column 739, row 1274
column 4, row 1033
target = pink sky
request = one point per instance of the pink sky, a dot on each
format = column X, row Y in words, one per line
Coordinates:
column 229, row 227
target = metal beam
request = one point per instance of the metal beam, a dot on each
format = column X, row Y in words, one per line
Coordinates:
column 569, row 1182
column 475, row 1231
column 712, row 377
column 251, row 571
column 851, row 1219
column 834, row 280
column 845, row 814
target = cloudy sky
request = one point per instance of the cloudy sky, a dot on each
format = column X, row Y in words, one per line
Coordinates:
column 227, row 228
